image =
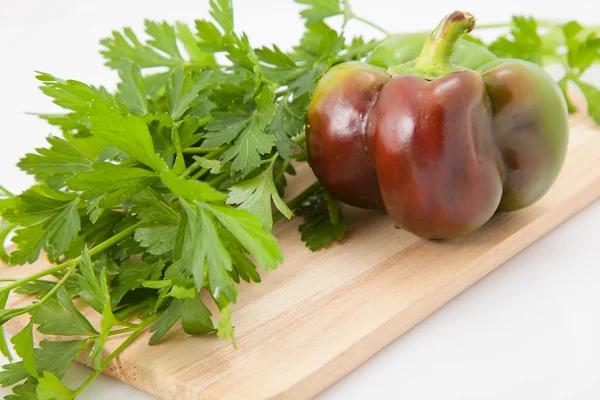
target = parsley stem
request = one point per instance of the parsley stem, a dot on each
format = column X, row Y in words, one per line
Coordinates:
column 55, row 288
column 281, row 170
column 139, row 330
column 128, row 162
column 218, row 180
column 6, row 192
column 200, row 174
column 190, row 169
column 543, row 24
column 4, row 231
column 349, row 14
column 493, row 25
column 306, row 193
column 177, row 144
column 300, row 138
column 296, row 201
column 129, row 311
column 94, row 250
column 40, row 274
column 371, row 24
column 197, row 164
column 122, row 331
column 202, row 150
column 15, row 312
column 204, row 121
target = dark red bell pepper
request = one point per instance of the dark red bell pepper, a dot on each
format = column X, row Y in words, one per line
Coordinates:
column 441, row 148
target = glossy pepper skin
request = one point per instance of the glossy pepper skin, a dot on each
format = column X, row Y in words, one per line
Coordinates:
column 446, row 146
column 338, row 112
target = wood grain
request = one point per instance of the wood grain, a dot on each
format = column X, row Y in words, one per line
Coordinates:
column 322, row 314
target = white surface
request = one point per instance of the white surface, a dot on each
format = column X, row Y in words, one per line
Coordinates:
column 530, row 330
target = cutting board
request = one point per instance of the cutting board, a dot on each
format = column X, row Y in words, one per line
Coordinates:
column 322, row 314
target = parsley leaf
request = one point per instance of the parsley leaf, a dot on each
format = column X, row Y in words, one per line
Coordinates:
column 323, row 220
column 592, row 95
column 255, row 195
column 91, row 289
column 198, row 58
column 288, row 122
column 225, row 328
column 211, row 39
column 51, row 388
column 222, row 12
column 55, row 165
column 111, row 183
column 48, row 219
column 163, row 38
column 151, row 207
column 583, row 49
column 319, row 46
column 23, row 345
column 204, row 254
column 129, row 278
column 183, row 89
column 94, row 290
column 162, row 50
column 249, row 231
column 318, row 10
column 127, row 133
column 166, row 320
column 62, row 317
column 24, row 391
column 52, row 356
column 131, row 88
column 158, row 239
column 127, row 46
column 191, row 190
column 72, row 95
column 246, row 131
column 243, row 267
column 524, row 41
column 108, row 120
column 195, row 317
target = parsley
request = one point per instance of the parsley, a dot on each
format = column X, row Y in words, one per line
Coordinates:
column 59, row 316
column 323, row 219
column 318, row 10
column 54, row 166
column 524, row 41
column 169, row 185
column 47, row 218
column 255, row 195
column 574, row 47
column 246, row 133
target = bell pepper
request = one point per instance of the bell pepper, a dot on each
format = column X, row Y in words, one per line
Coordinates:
column 438, row 146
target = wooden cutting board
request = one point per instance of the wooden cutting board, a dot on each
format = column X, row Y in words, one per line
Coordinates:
column 322, row 314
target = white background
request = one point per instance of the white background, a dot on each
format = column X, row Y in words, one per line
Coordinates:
column 530, row 330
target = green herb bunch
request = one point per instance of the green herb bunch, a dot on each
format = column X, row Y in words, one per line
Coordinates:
column 169, row 187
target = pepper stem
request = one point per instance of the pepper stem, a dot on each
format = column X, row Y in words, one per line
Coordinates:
column 435, row 55
column 434, row 59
